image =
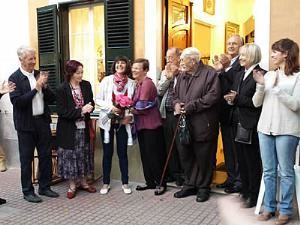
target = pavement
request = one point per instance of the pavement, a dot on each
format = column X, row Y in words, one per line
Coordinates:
column 117, row 208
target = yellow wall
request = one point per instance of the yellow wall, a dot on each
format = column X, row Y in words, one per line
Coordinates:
column 234, row 11
column 285, row 21
column 33, row 5
column 139, row 28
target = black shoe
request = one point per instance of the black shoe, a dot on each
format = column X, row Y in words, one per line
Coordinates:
column 49, row 193
column 234, row 189
column 243, row 197
column 145, row 187
column 225, row 184
column 32, row 198
column 179, row 182
column 249, row 203
column 160, row 190
column 202, row 196
column 2, row 201
column 185, row 193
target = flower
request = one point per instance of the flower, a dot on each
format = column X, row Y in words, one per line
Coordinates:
column 123, row 101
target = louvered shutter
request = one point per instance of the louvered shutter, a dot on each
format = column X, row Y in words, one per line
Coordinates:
column 118, row 30
column 48, row 47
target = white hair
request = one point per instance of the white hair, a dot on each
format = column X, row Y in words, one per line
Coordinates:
column 191, row 52
column 23, row 50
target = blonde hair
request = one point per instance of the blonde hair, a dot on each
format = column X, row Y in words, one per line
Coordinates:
column 252, row 53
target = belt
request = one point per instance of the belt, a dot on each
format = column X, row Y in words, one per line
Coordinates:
column 38, row 117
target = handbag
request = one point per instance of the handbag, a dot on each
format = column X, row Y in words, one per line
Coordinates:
column 243, row 135
column 183, row 131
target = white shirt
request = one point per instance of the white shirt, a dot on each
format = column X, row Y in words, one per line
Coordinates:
column 280, row 113
column 248, row 71
column 38, row 99
column 231, row 63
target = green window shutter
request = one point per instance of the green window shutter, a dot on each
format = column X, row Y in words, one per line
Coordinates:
column 48, row 46
column 118, row 30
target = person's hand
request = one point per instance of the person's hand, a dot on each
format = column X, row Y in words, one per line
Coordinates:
column 230, row 97
column 258, row 76
column 42, row 80
column 179, row 108
column 7, row 87
column 116, row 110
column 170, row 70
column 221, row 62
column 126, row 120
column 87, row 108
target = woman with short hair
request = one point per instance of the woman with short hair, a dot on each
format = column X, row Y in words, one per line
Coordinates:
column 245, row 115
column 149, row 128
column 74, row 105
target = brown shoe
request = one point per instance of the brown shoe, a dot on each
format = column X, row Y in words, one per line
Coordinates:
column 88, row 188
column 282, row 219
column 266, row 216
column 71, row 193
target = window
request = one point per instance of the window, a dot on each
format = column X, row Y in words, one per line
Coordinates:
column 62, row 36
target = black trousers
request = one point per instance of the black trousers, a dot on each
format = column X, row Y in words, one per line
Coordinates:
column 174, row 166
column 198, row 161
column 250, row 167
column 40, row 139
column 153, row 154
column 230, row 155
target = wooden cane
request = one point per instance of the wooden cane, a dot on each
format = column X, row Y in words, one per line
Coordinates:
column 170, row 152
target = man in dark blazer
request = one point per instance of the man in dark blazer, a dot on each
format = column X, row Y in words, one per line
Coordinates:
column 233, row 182
column 32, row 119
column 197, row 94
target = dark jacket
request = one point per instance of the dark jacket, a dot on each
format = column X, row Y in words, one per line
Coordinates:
column 68, row 114
column 226, row 80
column 201, row 95
column 21, row 99
column 244, row 111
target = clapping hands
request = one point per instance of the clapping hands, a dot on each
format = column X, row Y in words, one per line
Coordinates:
column 42, row 80
column 7, row 87
column 258, row 76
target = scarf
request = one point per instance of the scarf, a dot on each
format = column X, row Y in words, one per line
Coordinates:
column 120, row 81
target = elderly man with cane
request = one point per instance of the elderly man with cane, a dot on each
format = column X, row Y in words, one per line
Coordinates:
column 197, row 94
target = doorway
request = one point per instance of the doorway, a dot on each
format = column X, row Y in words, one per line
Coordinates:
column 87, row 41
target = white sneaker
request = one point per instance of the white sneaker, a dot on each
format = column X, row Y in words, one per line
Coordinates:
column 104, row 190
column 126, row 189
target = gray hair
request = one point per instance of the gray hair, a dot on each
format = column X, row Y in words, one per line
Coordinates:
column 192, row 53
column 23, row 50
column 176, row 50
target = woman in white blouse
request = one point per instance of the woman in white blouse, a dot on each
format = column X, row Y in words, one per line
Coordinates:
column 279, row 126
column 112, row 86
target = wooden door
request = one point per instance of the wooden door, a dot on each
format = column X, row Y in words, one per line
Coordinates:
column 178, row 23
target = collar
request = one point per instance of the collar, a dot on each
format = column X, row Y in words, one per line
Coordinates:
column 27, row 74
column 248, row 71
column 233, row 60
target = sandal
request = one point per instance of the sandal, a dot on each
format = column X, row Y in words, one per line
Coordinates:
column 71, row 193
column 87, row 188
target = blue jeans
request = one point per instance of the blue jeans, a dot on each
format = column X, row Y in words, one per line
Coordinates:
column 108, row 149
column 278, row 150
